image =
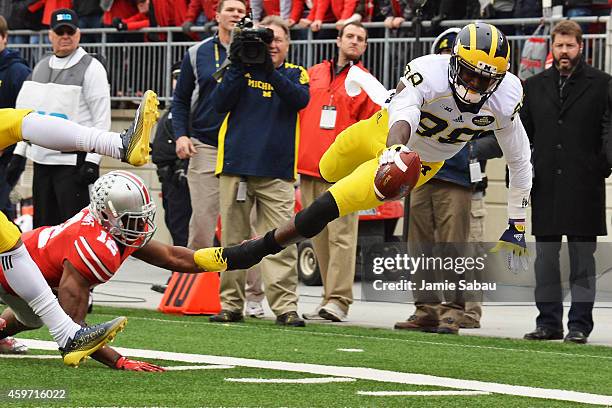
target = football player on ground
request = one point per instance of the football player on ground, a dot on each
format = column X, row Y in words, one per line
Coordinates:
column 21, row 273
column 441, row 103
column 89, row 248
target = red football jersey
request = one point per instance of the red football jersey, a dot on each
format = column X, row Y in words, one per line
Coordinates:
column 83, row 242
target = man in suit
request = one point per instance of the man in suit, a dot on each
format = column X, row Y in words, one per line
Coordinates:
column 564, row 115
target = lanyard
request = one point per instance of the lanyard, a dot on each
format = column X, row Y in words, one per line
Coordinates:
column 217, row 56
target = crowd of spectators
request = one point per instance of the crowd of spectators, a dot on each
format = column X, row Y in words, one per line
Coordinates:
column 130, row 15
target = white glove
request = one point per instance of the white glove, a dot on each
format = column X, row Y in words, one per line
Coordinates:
column 388, row 155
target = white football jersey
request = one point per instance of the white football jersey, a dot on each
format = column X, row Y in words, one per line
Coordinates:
column 440, row 129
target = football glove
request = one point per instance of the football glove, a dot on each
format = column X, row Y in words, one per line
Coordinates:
column 135, row 365
column 513, row 243
column 388, row 155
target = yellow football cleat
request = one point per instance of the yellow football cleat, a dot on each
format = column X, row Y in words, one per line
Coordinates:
column 136, row 139
column 89, row 339
column 210, row 259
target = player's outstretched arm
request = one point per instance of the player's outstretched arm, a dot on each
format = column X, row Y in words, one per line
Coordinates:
column 399, row 133
column 172, row 258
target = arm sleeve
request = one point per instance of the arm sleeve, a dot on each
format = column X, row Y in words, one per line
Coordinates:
column 293, row 89
column 194, row 10
column 485, row 147
column 406, row 106
column 227, row 94
column 321, row 6
column 348, row 9
column 96, row 91
column 137, row 21
column 515, row 145
column 296, row 10
column 525, row 114
column 181, row 100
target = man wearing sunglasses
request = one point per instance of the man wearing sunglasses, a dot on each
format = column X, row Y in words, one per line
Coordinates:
column 71, row 84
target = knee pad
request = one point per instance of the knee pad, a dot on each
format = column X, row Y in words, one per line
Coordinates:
column 312, row 219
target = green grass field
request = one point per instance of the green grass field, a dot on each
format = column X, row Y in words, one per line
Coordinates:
column 544, row 365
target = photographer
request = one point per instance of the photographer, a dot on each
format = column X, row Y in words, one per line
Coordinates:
column 262, row 95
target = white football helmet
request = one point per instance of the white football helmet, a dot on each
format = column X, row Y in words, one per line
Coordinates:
column 122, row 204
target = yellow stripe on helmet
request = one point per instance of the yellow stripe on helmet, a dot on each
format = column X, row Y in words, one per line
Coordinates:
column 493, row 41
column 472, row 28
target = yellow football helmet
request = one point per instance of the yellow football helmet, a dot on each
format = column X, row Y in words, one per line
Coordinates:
column 479, row 61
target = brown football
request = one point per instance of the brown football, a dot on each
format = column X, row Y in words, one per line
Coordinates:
column 395, row 180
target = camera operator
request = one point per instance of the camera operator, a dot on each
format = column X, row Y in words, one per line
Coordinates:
column 256, row 159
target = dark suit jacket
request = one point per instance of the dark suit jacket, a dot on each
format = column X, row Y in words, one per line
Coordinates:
column 568, row 194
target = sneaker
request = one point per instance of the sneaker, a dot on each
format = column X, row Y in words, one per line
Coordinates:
column 448, row 325
column 333, row 312
column 159, row 288
column 418, row 323
column 211, row 259
column 290, row 319
column 226, row 316
column 314, row 315
column 254, row 309
column 9, row 345
column 137, row 137
column 89, row 339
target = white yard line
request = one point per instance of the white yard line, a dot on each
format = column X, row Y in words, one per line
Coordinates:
column 350, row 350
column 363, row 373
column 323, row 380
column 36, row 356
column 197, row 367
column 418, row 393
column 355, row 336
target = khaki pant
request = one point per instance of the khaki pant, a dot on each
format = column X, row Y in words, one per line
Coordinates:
column 335, row 248
column 204, row 191
column 275, row 205
column 439, row 213
column 473, row 307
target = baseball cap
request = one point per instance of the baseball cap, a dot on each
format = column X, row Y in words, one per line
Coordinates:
column 64, row 17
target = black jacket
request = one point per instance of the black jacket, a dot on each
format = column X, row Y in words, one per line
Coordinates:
column 13, row 71
column 570, row 167
column 164, row 149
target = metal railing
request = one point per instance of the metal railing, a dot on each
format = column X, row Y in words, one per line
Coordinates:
column 135, row 65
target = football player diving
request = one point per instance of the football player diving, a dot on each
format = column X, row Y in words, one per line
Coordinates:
column 21, row 273
column 88, row 249
column 441, row 103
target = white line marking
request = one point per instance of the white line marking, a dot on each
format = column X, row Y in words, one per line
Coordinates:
column 323, row 380
column 355, row 336
column 419, row 393
column 363, row 373
column 37, row 356
column 197, row 367
column 349, row 350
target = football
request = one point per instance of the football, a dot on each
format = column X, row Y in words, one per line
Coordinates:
column 395, row 180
